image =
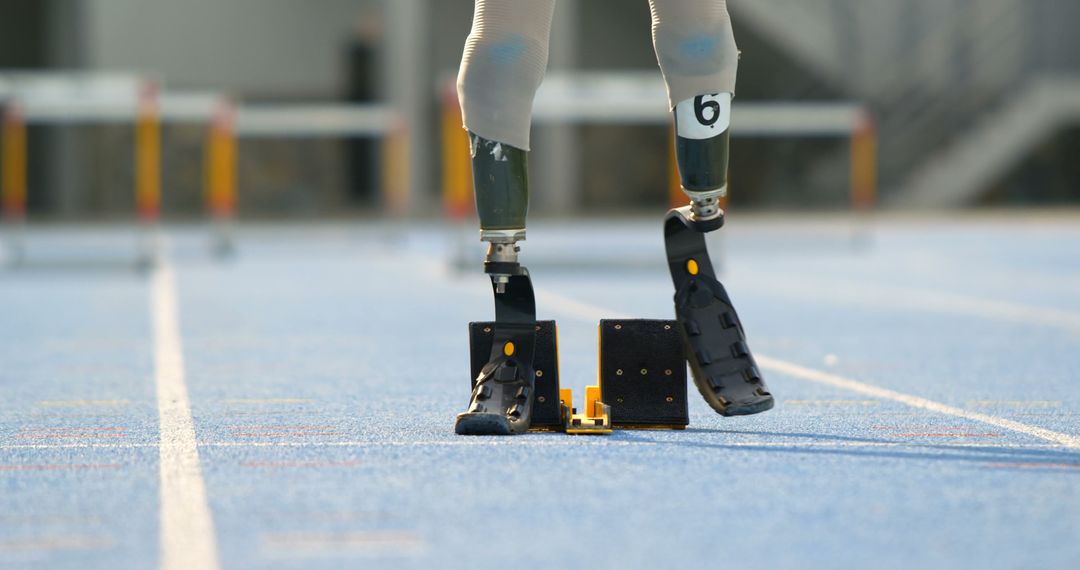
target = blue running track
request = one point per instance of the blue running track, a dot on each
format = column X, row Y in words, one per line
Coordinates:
column 927, row 373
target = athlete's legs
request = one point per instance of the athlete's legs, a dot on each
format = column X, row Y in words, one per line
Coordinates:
column 504, row 61
column 696, row 50
column 503, row 64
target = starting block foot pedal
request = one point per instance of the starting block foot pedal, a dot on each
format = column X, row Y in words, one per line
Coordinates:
column 547, row 413
column 643, row 373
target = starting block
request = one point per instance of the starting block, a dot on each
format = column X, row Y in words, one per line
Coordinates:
column 642, row 373
column 641, row 378
column 548, row 414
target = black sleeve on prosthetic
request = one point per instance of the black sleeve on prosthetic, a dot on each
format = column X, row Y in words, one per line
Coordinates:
column 501, row 183
column 703, row 163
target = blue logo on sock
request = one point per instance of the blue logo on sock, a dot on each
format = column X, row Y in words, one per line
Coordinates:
column 508, row 51
column 699, row 46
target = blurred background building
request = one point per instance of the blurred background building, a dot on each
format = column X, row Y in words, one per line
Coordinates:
column 976, row 102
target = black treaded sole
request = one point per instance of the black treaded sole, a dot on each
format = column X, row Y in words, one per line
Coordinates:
column 720, row 362
column 482, row 423
column 763, row 404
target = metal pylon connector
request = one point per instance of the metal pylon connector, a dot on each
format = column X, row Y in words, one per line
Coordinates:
column 706, row 205
column 502, row 252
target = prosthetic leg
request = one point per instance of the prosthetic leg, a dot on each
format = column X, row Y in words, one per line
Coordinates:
column 501, row 68
column 695, row 47
column 723, row 368
column 502, row 396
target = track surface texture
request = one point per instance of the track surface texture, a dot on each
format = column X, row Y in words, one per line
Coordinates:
column 293, row 407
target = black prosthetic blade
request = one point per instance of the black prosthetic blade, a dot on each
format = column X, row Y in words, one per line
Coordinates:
column 546, row 410
column 643, row 373
column 502, row 396
column 515, row 318
column 720, row 360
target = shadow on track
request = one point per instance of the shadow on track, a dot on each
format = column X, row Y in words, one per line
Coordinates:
column 1001, row 456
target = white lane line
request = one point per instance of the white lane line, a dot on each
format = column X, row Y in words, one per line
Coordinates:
column 592, row 313
column 187, row 529
column 1067, row 440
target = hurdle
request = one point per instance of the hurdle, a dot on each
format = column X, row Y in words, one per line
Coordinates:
column 308, row 120
column 231, row 123
column 219, row 182
column 71, row 98
column 219, row 192
column 65, row 98
column 13, row 184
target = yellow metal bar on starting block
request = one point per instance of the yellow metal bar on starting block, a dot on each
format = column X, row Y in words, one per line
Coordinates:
column 596, row 420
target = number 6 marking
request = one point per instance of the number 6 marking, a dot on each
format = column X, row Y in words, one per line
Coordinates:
column 704, row 116
column 700, row 105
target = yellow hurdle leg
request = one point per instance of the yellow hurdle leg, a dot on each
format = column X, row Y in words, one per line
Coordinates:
column 456, row 164
column 864, row 166
column 221, row 164
column 395, row 170
column 14, row 164
column 148, row 155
